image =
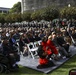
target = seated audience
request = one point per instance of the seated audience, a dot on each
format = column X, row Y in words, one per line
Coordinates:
column 22, row 45
column 62, row 42
column 9, row 53
column 62, row 50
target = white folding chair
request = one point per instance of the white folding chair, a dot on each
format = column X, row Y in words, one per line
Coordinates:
column 39, row 42
column 31, row 50
column 18, row 48
column 36, row 44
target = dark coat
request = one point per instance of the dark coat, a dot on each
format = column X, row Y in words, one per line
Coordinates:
column 6, row 49
column 26, row 40
column 55, row 42
column 61, row 41
column 21, row 44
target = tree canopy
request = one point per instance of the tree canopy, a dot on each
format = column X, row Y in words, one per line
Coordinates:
column 16, row 8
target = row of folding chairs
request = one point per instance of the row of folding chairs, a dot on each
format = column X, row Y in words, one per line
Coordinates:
column 32, row 48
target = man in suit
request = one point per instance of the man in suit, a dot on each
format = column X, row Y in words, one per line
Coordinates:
column 62, row 42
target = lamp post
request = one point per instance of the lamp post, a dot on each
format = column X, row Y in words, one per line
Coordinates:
column 69, row 5
column 70, row 15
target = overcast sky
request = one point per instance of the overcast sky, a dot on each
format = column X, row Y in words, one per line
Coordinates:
column 8, row 3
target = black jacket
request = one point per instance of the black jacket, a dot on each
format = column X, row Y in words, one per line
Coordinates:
column 21, row 44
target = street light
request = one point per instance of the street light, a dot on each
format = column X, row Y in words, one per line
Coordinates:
column 69, row 28
column 70, row 15
column 69, row 5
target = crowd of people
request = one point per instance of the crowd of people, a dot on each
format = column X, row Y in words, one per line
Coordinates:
column 55, row 39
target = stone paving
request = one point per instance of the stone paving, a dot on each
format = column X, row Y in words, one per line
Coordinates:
column 32, row 63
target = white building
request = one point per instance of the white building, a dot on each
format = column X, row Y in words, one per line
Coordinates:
column 4, row 10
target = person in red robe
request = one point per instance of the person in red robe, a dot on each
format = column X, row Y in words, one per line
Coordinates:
column 48, row 49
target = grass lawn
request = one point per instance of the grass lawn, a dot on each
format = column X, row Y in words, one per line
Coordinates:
column 63, row 70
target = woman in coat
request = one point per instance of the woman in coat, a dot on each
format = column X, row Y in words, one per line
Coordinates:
column 21, row 44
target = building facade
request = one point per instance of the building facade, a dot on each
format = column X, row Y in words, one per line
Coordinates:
column 27, row 5
column 4, row 10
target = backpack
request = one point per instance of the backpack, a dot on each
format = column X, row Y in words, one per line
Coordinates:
column 40, row 51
